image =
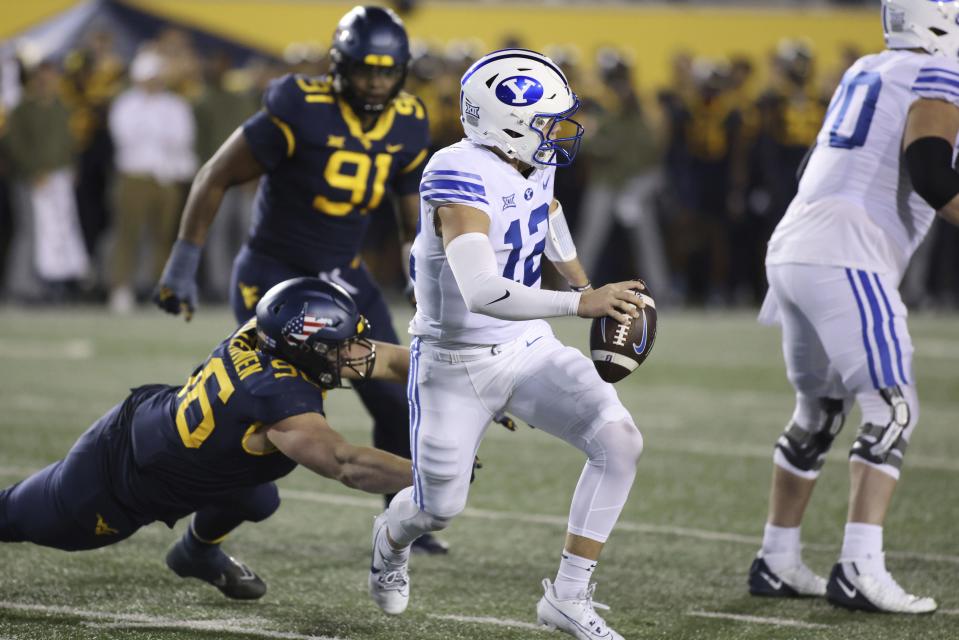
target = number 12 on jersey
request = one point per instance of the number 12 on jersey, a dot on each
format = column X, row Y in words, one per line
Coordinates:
column 854, row 107
column 514, row 238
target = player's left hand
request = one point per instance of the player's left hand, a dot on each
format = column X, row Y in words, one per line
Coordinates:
column 176, row 292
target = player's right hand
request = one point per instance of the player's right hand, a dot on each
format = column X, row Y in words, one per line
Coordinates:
column 617, row 300
column 176, row 292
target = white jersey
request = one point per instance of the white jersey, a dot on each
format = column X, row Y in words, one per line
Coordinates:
column 518, row 208
column 856, row 206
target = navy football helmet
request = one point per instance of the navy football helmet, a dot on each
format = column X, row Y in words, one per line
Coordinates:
column 370, row 40
column 315, row 326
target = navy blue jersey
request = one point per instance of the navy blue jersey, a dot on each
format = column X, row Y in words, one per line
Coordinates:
column 189, row 443
column 324, row 174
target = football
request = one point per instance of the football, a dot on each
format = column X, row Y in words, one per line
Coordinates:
column 617, row 349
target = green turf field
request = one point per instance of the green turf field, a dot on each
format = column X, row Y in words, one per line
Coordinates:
column 710, row 402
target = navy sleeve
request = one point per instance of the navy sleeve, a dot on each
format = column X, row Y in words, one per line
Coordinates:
column 271, row 133
column 297, row 398
column 267, row 140
column 407, row 179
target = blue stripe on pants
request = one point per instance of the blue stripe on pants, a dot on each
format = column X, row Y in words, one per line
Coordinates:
column 892, row 329
column 885, row 359
column 865, row 330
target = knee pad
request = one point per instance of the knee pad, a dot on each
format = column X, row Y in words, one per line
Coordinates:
column 803, row 450
column 882, row 440
column 263, row 503
column 617, row 442
column 407, row 522
column 442, row 476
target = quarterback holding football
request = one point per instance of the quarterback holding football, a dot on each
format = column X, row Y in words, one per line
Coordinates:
column 480, row 346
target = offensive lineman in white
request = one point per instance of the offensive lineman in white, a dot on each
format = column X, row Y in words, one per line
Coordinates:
column 881, row 169
column 480, row 346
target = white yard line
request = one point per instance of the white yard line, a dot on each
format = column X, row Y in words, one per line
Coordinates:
column 109, row 620
column 622, row 525
column 74, row 349
column 498, row 622
column 779, row 622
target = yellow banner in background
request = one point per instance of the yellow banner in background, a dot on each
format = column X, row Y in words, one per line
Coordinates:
column 652, row 34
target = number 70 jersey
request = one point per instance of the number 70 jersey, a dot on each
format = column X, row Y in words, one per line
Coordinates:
column 518, row 208
column 856, row 206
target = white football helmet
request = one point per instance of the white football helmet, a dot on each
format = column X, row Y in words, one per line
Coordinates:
column 924, row 24
column 520, row 102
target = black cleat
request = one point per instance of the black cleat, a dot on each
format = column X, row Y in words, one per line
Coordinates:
column 233, row 578
column 430, row 545
column 797, row 581
column 851, row 588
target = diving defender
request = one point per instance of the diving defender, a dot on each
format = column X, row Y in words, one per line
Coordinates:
column 881, row 169
column 214, row 447
column 326, row 151
column 488, row 218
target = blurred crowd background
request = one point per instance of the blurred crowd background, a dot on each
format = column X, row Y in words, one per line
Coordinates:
column 679, row 180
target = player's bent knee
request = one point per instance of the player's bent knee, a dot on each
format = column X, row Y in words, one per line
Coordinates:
column 887, row 425
column 617, row 443
column 263, row 503
column 803, row 446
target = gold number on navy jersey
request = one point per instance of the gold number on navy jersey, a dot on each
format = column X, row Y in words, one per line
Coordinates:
column 196, row 390
column 350, row 171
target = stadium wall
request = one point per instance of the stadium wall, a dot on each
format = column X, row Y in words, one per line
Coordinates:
column 651, row 33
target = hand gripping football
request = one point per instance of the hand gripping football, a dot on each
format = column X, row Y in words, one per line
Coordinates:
column 618, row 349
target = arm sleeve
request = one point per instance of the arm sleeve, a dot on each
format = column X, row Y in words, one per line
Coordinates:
column 929, row 161
column 473, row 263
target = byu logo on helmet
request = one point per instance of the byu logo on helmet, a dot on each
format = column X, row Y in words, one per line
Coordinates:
column 519, row 91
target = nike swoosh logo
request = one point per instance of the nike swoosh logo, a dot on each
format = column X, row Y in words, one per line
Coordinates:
column 503, row 297
column 530, row 343
column 639, row 348
column 774, row 583
column 393, row 148
column 850, row 590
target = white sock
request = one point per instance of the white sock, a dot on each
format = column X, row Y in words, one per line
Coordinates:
column 573, row 576
column 388, row 553
column 780, row 540
column 863, row 543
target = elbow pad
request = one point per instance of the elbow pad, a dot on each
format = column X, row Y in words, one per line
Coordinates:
column 559, row 241
column 485, row 291
column 929, row 161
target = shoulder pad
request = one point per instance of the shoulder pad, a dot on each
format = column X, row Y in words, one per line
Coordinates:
column 287, row 96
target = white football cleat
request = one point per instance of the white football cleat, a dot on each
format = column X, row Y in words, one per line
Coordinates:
column 577, row 617
column 784, row 576
column 854, row 586
column 389, row 583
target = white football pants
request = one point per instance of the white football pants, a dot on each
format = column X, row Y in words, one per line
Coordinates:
column 844, row 337
column 454, row 394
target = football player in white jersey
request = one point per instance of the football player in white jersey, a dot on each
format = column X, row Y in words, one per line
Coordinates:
column 881, row 169
column 480, row 345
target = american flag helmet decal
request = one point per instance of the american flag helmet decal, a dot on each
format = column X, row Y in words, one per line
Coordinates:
column 303, row 325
